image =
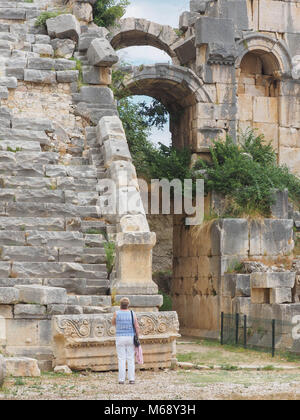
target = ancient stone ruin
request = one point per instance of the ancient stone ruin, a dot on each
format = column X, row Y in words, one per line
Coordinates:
column 235, row 64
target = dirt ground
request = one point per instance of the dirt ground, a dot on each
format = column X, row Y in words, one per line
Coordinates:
column 224, row 378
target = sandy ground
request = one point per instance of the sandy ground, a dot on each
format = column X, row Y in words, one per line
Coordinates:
column 227, row 383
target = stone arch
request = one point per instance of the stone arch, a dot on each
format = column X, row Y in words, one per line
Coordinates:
column 134, row 32
column 261, row 65
column 273, row 52
column 179, row 89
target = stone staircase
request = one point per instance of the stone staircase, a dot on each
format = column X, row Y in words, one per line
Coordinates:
column 51, row 232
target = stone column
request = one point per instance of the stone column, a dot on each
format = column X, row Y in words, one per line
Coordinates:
column 134, row 270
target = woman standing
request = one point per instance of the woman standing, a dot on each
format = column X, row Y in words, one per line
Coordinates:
column 124, row 320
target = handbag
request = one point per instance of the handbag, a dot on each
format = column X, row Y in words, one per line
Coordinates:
column 136, row 340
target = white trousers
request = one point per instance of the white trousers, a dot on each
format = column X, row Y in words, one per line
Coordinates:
column 126, row 352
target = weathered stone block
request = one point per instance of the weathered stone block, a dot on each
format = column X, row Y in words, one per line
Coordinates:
column 236, row 285
column 42, row 295
column 101, row 53
column 22, row 367
column 260, row 296
column 64, row 26
column 39, row 76
column 216, row 30
column 115, row 150
column 30, row 311
column 271, row 280
column 110, row 128
column 230, row 237
column 281, row 295
column 9, row 295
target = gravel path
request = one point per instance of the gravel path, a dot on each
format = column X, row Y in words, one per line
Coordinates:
column 165, row 385
column 229, row 382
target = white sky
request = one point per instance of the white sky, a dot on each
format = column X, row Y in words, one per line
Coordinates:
column 165, row 12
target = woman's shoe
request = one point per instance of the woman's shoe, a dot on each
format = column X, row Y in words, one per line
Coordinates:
column 121, row 383
column 132, row 382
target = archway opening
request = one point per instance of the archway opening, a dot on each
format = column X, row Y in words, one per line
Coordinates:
column 258, row 92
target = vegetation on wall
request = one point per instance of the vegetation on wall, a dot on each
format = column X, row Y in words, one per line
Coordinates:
column 247, row 174
column 107, row 12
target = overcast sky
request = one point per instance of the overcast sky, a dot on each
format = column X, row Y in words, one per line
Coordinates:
column 165, row 12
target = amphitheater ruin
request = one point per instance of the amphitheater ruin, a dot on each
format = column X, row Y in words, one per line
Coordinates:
column 235, row 64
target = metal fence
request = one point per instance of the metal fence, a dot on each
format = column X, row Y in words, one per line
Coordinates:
column 256, row 333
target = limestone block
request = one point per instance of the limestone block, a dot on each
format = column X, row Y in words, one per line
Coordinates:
column 209, row 30
column 2, row 370
column 41, row 295
column 110, row 128
column 9, row 82
column 245, row 107
column 86, row 38
column 97, row 95
column 43, row 49
column 277, row 16
column 63, row 48
column 22, row 332
column 69, row 76
column 39, row 76
column 29, row 311
column 61, row 64
column 83, row 11
column 134, row 223
column 291, row 157
column 63, row 369
column 115, row 150
column 230, row 237
column 236, row 285
column 271, row 237
column 123, row 174
column 265, row 110
column 289, row 111
column 64, row 26
column 280, row 209
column 260, row 296
column 39, row 124
column 271, row 280
column 22, row 367
column 270, row 132
column 101, row 53
column 241, row 305
column 281, row 295
column 129, row 201
column 142, row 300
column 9, row 295
column 289, row 137
column 6, row 311
column 96, row 75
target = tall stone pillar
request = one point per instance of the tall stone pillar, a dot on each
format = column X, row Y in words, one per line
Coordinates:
column 134, row 270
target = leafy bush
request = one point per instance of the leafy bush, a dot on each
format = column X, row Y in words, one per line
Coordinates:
column 107, row 12
column 247, row 174
column 151, row 161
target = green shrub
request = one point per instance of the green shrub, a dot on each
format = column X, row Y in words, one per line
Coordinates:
column 107, row 12
column 247, row 175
